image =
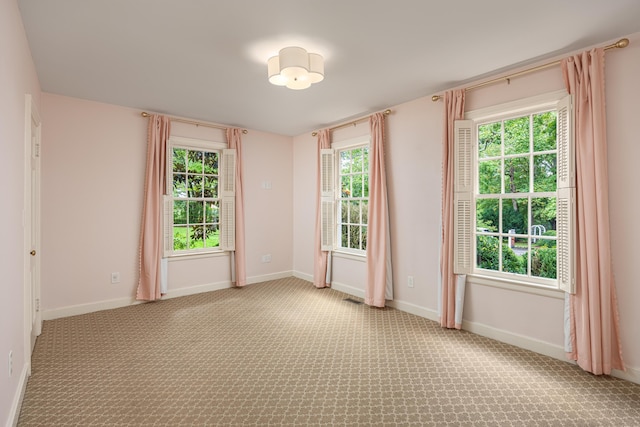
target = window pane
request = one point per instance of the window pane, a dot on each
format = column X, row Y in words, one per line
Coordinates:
column 516, row 175
column 487, row 252
column 543, row 216
column 356, row 160
column 488, row 215
column 364, row 238
column 179, row 238
column 354, row 212
column 357, row 186
column 194, row 185
column 196, row 212
column 212, row 213
column 345, row 236
column 179, row 185
column 196, row 236
column 354, row 237
column 212, row 236
column 365, row 211
column 344, row 211
column 179, row 212
column 194, row 159
column 489, row 140
column 515, row 216
column 544, row 131
column 516, row 136
column 365, row 180
column 543, row 261
column 210, row 187
column 211, row 163
column 346, row 186
column 544, row 172
column 179, row 160
column 514, row 255
column 489, row 177
column 345, row 162
column 365, row 159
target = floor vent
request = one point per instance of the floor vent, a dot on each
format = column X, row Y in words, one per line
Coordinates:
column 353, row 301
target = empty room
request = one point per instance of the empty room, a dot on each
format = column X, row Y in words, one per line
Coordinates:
column 335, row 213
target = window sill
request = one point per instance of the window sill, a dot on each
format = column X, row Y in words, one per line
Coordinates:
column 197, row 255
column 513, row 285
column 350, row 255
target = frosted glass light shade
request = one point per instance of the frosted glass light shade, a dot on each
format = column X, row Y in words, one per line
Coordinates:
column 295, row 68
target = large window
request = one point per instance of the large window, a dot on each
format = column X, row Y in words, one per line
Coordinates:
column 195, row 204
column 345, row 196
column 516, row 223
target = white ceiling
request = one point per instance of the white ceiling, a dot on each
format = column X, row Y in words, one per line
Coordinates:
column 206, row 59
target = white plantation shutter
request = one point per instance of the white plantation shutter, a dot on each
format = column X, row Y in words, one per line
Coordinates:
column 462, row 197
column 566, row 145
column 462, row 233
column 566, row 211
column 566, row 239
column 463, row 145
column 167, row 224
column 327, row 199
column 228, row 200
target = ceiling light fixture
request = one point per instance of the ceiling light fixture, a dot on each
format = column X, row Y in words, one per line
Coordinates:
column 295, row 68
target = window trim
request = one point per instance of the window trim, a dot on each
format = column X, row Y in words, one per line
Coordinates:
column 190, row 144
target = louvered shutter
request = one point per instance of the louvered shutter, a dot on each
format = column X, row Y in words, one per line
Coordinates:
column 167, row 224
column 327, row 199
column 566, row 239
column 462, row 197
column 566, row 146
column 228, row 200
column 566, row 211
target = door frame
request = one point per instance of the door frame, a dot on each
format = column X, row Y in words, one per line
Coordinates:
column 31, row 222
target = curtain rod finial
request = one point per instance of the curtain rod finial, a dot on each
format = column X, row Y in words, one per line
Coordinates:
column 145, row 114
column 622, row 43
column 436, row 98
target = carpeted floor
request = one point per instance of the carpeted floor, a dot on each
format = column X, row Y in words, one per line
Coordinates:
column 285, row 353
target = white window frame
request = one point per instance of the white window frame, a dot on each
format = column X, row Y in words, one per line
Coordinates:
column 226, row 197
column 331, row 220
column 466, row 189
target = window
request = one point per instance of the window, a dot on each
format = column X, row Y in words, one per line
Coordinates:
column 514, row 211
column 345, row 196
column 197, row 205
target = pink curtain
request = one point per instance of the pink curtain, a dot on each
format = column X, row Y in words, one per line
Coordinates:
column 235, row 142
column 151, row 236
column 451, row 291
column 594, row 323
column 320, row 259
column 379, row 284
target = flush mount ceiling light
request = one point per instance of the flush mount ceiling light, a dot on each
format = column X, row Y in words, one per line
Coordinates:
column 295, row 68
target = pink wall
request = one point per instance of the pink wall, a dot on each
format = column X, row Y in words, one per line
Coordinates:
column 17, row 78
column 413, row 156
column 93, row 168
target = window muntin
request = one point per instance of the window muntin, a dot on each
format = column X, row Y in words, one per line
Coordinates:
column 196, row 199
column 353, row 197
column 515, row 196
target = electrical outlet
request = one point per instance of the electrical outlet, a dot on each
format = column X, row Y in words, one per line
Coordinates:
column 266, row 258
column 410, row 281
column 115, row 277
column 10, row 363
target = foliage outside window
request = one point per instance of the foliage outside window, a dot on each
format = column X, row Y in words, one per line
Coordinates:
column 353, row 197
column 196, row 199
column 515, row 197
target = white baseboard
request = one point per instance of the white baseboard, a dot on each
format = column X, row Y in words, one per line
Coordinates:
column 75, row 310
column 269, row 277
column 414, row 309
column 14, row 411
column 347, row 289
column 303, row 276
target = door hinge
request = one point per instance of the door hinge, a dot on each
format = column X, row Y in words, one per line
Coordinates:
column 37, row 305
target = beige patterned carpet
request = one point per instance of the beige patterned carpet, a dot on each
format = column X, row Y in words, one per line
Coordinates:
column 285, row 353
